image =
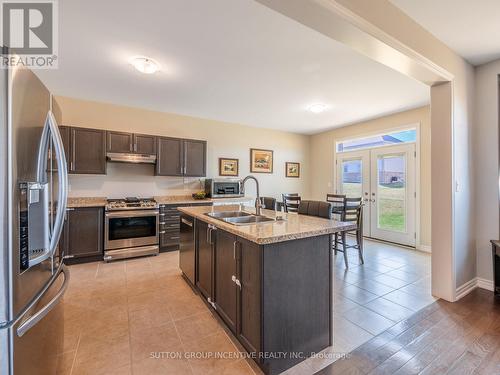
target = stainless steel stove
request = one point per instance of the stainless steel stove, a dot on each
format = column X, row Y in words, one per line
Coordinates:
column 131, row 228
column 131, row 203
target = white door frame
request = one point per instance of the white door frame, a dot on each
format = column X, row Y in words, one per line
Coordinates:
column 408, row 237
column 416, row 126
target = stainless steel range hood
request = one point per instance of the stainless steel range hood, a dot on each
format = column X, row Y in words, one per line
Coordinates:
column 131, row 158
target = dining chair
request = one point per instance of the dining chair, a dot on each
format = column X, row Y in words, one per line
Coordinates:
column 268, row 203
column 315, row 208
column 291, row 202
column 338, row 204
column 353, row 212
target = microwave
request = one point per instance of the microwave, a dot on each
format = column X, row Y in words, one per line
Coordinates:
column 223, row 188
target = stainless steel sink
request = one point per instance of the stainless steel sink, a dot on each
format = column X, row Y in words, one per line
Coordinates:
column 226, row 214
column 245, row 220
column 239, row 217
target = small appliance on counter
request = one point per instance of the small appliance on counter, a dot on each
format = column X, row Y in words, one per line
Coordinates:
column 223, row 188
column 131, row 228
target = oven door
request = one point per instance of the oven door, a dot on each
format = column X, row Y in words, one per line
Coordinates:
column 133, row 228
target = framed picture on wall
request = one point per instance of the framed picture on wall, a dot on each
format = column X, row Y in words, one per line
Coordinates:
column 261, row 161
column 292, row 169
column 228, row 167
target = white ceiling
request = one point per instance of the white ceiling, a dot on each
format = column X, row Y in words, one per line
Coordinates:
column 228, row 60
column 469, row 27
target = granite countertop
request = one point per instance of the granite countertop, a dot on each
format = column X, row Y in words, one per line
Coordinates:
column 86, row 202
column 293, row 227
column 181, row 199
column 166, row 199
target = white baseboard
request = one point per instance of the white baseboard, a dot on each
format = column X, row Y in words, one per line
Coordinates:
column 424, row 248
column 470, row 285
column 485, row 284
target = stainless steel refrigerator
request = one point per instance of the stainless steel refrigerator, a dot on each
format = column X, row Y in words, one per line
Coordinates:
column 33, row 195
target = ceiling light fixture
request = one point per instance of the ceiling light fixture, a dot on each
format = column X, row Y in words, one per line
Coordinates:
column 145, row 64
column 317, row 107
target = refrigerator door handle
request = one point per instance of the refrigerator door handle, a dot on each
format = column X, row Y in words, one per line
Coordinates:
column 39, row 315
column 51, row 130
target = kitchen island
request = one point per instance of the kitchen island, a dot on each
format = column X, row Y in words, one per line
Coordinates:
column 271, row 282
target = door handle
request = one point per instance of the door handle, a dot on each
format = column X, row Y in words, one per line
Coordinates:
column 51, row 130
column 34, row 319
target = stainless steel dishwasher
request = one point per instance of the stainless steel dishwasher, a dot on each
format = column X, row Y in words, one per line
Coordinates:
column 187, row 251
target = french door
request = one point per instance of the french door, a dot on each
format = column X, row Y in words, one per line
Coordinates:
column 385, row 178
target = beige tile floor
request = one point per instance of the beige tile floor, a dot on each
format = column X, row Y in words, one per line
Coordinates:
column 393, row 284
column 118, row 314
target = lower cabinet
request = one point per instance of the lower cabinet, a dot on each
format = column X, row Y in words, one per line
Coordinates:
column 229, row 277
column 226, row 290
column 205, row 259
column 83, row 234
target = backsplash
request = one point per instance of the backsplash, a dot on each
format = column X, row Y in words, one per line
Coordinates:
column 124, row 180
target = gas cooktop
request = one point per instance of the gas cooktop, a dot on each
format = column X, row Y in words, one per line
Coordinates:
column 131, row 203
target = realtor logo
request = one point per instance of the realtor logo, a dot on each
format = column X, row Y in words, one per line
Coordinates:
column 29, row 31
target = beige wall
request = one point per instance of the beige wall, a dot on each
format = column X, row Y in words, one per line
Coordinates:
column 323, row 154
column 223, row 140
column 486, row 160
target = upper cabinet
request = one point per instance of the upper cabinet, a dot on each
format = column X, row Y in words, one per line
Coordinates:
column 145, row 144
column 181, row 157
column 195, row 158
column 130, row 143
column 119, row 142
column 85, row 150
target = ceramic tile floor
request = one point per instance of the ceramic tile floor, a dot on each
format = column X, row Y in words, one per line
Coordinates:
column 118, row 314
column 392, row 285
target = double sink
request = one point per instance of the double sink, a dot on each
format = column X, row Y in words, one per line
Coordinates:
column 239, row 217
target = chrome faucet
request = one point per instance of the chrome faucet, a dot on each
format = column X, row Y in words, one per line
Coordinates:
column 258, row 205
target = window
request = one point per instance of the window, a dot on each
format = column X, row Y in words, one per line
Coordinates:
column 405, row 136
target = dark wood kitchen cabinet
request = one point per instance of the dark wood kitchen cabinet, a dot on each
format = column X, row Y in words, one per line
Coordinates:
column 181, row 157
column 169, row 161
column 226, row 291
column 195, row 158
column 145, row 144
column 122, row 142
column 205, row 247
column 87, row 151
column 65, row 136
column 119, row 142
column 83, row 234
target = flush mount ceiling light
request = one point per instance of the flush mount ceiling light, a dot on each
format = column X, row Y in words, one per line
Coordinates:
column 145, row 64
column 317, row 107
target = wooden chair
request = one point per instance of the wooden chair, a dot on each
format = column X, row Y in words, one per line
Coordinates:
column 268, row 203
column 291, row 202
column 315, row 208
column 353, row 212
column 338, row 204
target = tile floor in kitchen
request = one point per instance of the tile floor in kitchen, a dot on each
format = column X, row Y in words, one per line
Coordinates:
column 117, row 314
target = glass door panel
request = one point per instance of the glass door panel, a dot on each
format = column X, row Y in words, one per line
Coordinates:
column 391, row 192
column 352, row 178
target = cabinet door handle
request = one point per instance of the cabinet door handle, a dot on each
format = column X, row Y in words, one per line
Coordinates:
column 236, row 281
column 234, row 249
column 161, row 232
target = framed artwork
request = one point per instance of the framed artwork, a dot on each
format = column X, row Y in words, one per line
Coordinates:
column 292, row 169
column 228, row 167
column 261, row 161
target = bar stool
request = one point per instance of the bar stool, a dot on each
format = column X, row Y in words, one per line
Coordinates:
column 291, row 202
column 353, row 212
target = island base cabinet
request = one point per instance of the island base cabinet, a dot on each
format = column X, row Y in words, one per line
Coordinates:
column 205, row 259
column 248, row 329
column 297, row 301
column 226, row 290
column 275, row 298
